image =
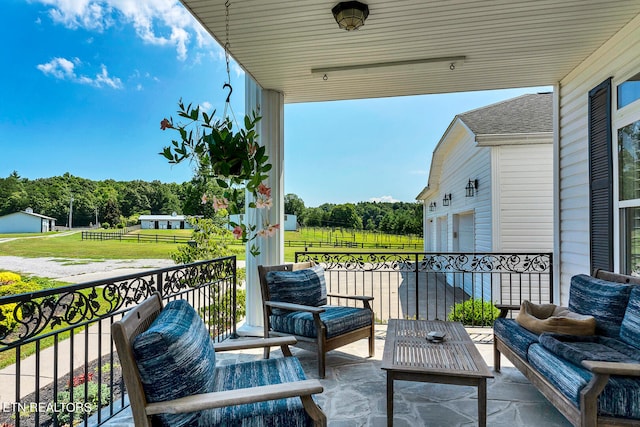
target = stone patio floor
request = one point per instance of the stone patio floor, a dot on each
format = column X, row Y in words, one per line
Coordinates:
column 355, row 392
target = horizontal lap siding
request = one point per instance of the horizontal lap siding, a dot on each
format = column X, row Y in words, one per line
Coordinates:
column 526, row 198
column 618, row 57
column 464, row 160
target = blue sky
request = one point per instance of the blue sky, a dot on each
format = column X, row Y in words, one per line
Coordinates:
column 86, row 83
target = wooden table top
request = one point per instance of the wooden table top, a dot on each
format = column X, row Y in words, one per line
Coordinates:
column 407, row 349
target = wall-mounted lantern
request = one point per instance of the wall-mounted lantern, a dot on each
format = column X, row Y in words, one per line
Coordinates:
column 432, row 206
column 446, row 200
column 471, row 188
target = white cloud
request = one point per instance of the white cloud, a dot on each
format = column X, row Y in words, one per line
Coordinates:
column 383, row 199
column 104, row 79
column 88, row 14
column 206, row 106
column 237, row 69
column 60, row 68
column 64, row 69
column 157, row 22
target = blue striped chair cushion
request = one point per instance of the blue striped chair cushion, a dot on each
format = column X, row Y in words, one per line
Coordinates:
column 175, row 357
column 578, row 348
column 606, row 301
column 283, row 412
column 620, row 397
column 338, row 320
column 515, row 336
column 630, row 329
column 305, row 287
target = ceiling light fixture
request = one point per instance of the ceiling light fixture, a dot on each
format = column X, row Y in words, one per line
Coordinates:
column 350, row 15
column 451, row 62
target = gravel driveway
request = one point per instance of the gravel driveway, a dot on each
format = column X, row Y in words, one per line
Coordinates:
column 79, row 270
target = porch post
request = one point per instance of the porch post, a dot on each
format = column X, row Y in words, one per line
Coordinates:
column 270, row 105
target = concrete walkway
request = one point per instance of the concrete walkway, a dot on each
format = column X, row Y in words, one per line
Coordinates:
column 355, row 392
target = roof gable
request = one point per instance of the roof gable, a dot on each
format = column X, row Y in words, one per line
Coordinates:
column 30, row 214
column 523, row 116
column 532, row 113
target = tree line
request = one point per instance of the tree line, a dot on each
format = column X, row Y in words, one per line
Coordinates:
column 121, row 202
column 394, row 218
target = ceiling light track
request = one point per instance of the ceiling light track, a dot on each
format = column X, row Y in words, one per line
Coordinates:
column 451, row 61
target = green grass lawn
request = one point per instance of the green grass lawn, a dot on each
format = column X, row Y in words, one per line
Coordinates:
column 11, row 235
column 72, row 246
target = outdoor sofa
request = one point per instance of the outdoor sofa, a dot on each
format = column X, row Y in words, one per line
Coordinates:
column 593, row 380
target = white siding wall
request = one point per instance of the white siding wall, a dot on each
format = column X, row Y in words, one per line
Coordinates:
column 618, row 58
column 20, row 223
column 463, row 160
column 524, row 220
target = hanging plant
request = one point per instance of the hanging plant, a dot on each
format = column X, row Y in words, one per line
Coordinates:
column 234, row 158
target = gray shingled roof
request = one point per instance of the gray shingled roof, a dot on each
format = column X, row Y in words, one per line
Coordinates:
column 524, row 114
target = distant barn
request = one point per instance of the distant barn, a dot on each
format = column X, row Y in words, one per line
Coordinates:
column 164, row 222
column 26, row 222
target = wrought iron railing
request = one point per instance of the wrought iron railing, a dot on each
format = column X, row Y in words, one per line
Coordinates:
column 66, row 334
column 433, row 285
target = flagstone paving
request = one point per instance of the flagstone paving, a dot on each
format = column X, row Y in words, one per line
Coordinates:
column 355, row 392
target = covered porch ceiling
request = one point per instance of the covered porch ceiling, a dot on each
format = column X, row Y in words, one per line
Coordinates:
column 493, row 44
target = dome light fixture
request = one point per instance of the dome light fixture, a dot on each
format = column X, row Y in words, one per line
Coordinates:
column 350, row 15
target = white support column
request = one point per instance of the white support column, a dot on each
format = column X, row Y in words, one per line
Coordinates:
column 270, row 105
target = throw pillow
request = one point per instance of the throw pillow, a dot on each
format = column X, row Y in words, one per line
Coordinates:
column 630, row 329
column 606, row 301
column 551, row 318
column 305, row 287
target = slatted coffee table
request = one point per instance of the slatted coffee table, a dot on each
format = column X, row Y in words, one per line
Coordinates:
column 409, row 356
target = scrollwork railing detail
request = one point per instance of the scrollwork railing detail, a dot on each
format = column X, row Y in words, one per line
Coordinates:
column 23, row 317
column 431, row 262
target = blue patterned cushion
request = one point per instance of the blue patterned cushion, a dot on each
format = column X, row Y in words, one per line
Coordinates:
column 515, row 336
column 630, row 329
column 620, row 397
column 283, row 412
column 337, row 320
column 606, row 301
column 578, row 348
column 305, row 287
column 568, row 378
column 175, row 357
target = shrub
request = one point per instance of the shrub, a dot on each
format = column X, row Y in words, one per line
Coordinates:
column 19, row 287
column 79, row 405
column 7, row 277
column 81, row 379
column 9, row 320
column 474, row 312
column 106, row 225
column 220, row 309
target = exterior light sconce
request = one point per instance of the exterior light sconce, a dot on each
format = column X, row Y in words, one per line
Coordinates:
column 350, row 15
column 447, row 200
column 432, row 206
column 472, row 187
